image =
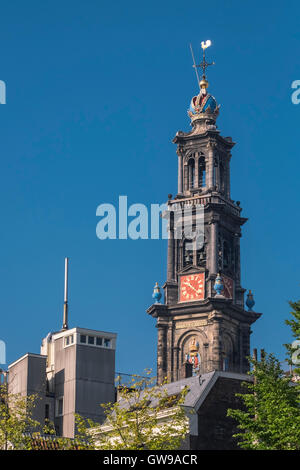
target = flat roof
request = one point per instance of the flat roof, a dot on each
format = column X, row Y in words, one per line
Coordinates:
column 86, row 331
column 24, row 356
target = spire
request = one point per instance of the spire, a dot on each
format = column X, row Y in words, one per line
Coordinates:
column 203, row 65
column 65, row 317
column 204, row 105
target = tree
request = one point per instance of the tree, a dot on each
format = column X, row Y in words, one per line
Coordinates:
column 144, row 417
column 271, row 419
column 16, row 420
column 293, row 350
column 271, row 415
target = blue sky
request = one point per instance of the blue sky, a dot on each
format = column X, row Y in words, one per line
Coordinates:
column 95, row 93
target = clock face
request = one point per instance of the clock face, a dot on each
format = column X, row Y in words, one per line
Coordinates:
column 191, row 287
column 228, row 287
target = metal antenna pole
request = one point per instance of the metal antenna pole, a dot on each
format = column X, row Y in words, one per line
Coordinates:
column 65, row 319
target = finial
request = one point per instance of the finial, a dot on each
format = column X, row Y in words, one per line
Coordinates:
column 203, row 107
column 250, row 301
column 219, row 286
column 203, row 84
column 156, row 293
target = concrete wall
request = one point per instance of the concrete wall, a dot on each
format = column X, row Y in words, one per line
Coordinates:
column 65, row 376
column 84, row 377
column 95, row 374
column 28, row 376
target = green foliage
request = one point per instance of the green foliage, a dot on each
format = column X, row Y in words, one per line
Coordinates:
column 144, row 417
column 271, row 418
column 84, row 438
column 16, row 420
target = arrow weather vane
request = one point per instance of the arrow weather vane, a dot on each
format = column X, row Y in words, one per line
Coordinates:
column 202, row 64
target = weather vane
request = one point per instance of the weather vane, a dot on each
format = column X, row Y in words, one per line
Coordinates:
column 202, row 64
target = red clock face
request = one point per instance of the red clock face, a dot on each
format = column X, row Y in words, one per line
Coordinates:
column 228, row 287
column 192, row 287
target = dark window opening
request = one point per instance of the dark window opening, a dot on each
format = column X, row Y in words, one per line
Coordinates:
column 201, row 256
column 202, row 172
column 191, row 169
column 187, row 253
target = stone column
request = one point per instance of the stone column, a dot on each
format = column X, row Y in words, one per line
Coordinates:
column 245, row 332
column 210, row 165
column 170, row 359
column 228, row 177
column 216, row 359
column 171, row 248
column 190, row 176
column 180, row 173
column 196, row 183
column 161, row 352
column 214, row 246
column 185, row 177
column 175, row 374
column 237, row 267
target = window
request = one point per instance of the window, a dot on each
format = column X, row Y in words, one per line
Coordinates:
column 191, row 170
column 69, row 340
column 95, row 341
column 202, row 172
column 59, row 409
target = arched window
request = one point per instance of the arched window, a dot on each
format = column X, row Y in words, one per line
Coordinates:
column 202, row 171
column 191, row 170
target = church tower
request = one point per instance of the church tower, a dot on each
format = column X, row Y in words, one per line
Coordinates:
column 202, row 325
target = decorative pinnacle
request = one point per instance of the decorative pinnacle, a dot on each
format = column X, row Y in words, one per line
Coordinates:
column 250, row 301
column 156, row 293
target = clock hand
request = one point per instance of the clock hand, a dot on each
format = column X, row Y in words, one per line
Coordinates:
column 188, row 284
